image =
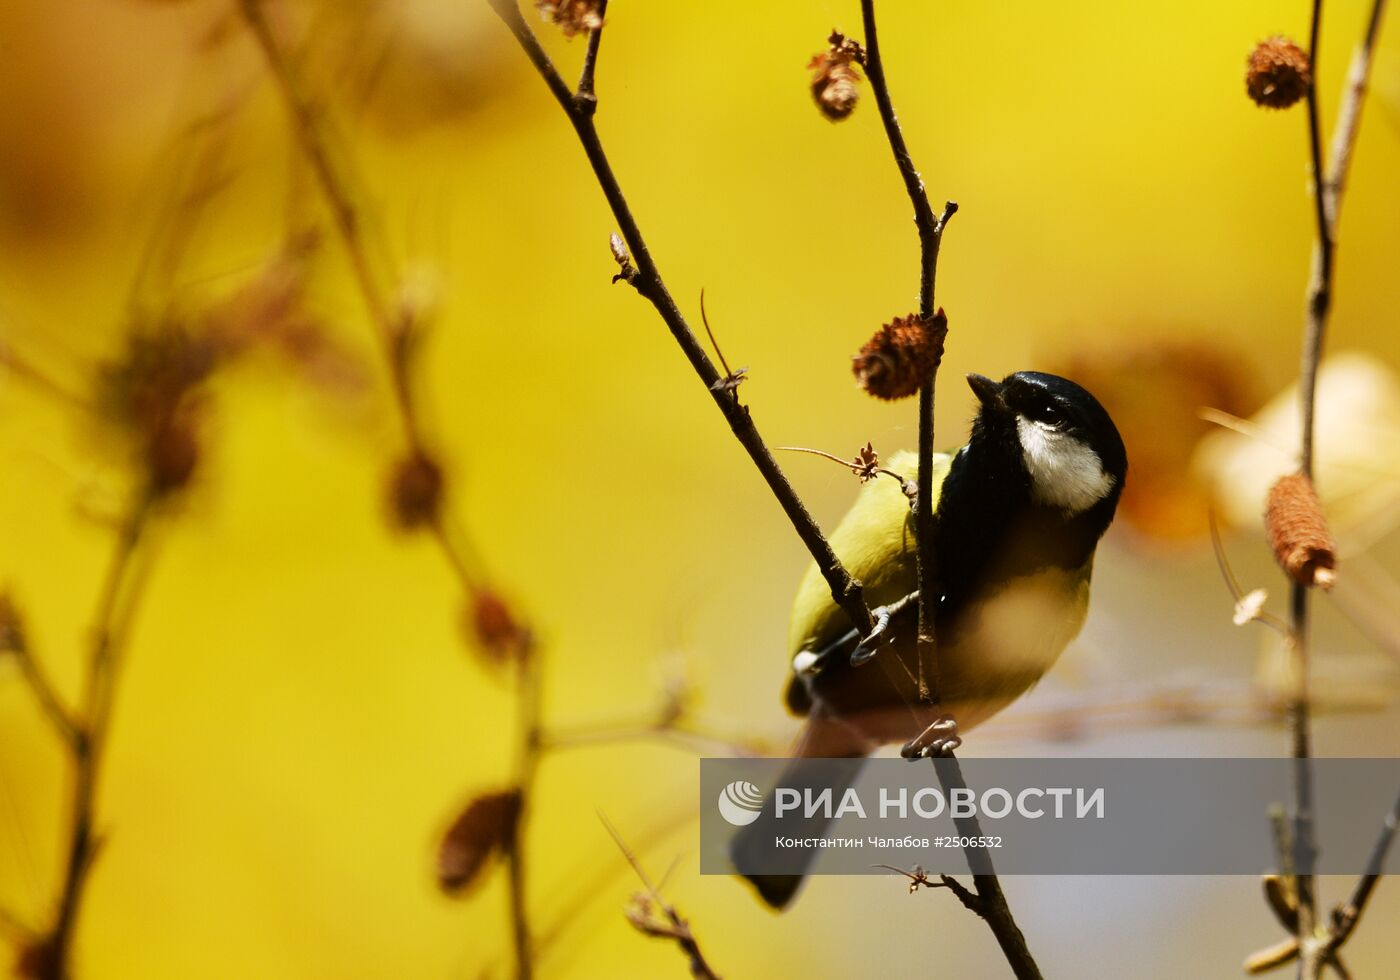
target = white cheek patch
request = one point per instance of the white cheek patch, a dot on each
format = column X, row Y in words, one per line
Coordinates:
column 1064, row 472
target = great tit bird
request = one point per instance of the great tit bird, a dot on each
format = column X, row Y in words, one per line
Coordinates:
column 1018, row 514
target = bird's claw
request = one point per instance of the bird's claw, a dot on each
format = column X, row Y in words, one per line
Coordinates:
column 937, row 741
column 870, row 645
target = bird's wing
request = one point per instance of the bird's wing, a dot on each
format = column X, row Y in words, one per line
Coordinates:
column 875, row 541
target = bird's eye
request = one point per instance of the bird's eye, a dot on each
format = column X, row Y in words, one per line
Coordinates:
column 1047, row 413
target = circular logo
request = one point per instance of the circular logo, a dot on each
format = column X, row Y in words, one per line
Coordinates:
column 740, row 803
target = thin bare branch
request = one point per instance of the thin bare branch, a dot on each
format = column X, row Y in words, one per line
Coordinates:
column 47, row 697
column 98, row 701
column 1346, row 916
column 858, row 467
column 1242, row 598
column 670, row 925
column 529, row 746
column 14, row 925
column 586, row 97
column 1328, row 184
column 845, row 590
column 991, row 902
column 930, row 228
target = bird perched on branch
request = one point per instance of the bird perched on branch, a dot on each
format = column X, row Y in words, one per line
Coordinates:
column 1017, row 517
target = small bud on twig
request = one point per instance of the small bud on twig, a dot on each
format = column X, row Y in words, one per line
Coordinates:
column 901, row 356
column 1272, row 957
column 172, row 455
column 11, row 626
column 572, row 16
column 39, row 959
column 626, row 273
column 485, row 828
column 835, row 78
column 1278, row 74
column 415, row 491
column 1281, row 894
column 1298, row 533
column 498, row 634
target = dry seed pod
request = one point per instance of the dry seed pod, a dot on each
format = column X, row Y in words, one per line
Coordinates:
column 485, row 828
column 572, row 16
column 901, row 356
column 1278, row 74
column 415, row 491
column 835, row 76
column 1298, row 533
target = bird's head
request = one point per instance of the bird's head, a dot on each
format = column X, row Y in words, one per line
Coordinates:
column 1058, row 434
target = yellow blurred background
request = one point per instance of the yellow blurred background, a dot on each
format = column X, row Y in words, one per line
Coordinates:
column 300, row 715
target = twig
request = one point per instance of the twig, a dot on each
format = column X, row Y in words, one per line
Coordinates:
column 1222, row 562
column 585, row 885
column 673, row 732
column 580, row 108
column 12, row 924
column 390, row 328
column 306, row 127
column 587, row 98
column 918, row 878
column 991, row 903
column 528, row 750
column 1285, row 906
column 89, row 749
column 930, row 229
column 1349, row 117
column 1346, row 917
column 732, row 379
column 1327, row 199
column 47, row 697
column 26, row 370
column 394, row 340
column 671, row 926
column 855, row 466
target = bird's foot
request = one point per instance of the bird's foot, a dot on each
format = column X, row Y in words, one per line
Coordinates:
column 870, row 644
column 936, row 741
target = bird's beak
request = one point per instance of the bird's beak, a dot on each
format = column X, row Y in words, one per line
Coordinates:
column 988, row 392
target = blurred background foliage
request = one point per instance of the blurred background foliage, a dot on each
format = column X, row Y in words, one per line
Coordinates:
column 301, row 713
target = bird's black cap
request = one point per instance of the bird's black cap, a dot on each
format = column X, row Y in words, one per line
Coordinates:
column 1055, row 401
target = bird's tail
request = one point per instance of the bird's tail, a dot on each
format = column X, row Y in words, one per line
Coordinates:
column 821, row 738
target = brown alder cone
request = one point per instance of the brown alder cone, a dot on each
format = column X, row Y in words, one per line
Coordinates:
column 1298, row 533
column 1279, row 73
column 901, row 356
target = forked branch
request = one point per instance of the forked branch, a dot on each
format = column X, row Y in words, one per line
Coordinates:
column 580, row 106
column 1328, row 183
column 990, row 903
